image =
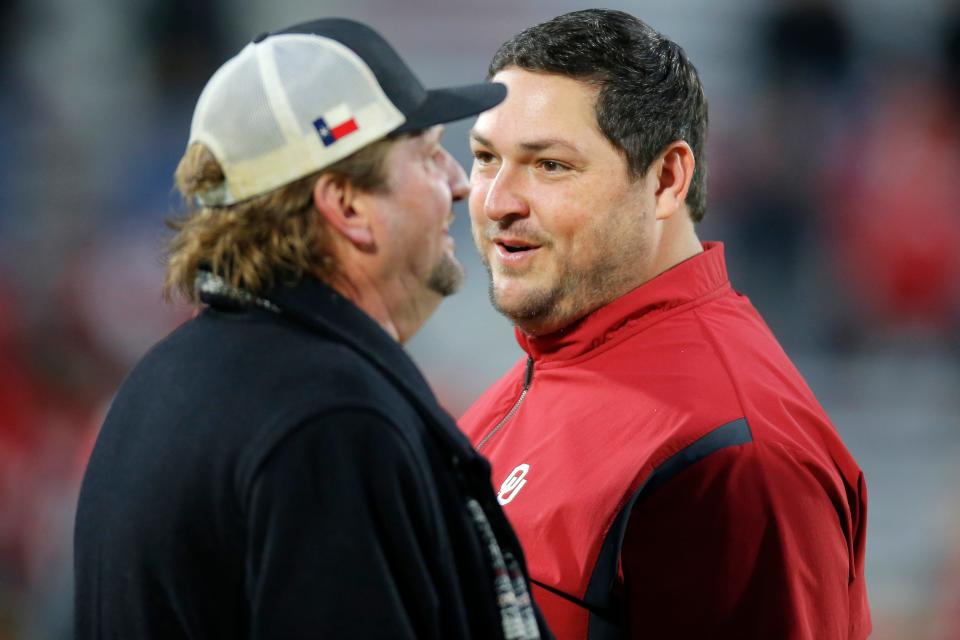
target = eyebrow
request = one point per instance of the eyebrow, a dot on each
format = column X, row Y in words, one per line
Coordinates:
column 532, row 146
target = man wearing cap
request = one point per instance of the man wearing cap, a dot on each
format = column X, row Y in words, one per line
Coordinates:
column 277, row 467
column 667, row 470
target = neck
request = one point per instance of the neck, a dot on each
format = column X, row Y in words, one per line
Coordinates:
column 678, row 242
column 400, row 312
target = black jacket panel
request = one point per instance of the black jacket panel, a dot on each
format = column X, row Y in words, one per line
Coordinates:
column 290, row 475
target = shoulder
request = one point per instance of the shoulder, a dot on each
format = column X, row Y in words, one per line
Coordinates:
column 332, row 436
column 281, row 362
column 350, row 439
column 755, row 481
column 257, row 381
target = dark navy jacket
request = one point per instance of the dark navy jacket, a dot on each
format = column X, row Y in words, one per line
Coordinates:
column 264, row 475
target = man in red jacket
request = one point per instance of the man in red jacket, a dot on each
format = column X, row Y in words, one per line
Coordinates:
column 667, row 469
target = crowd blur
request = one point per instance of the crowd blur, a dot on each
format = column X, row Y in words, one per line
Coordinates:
column 834, row 182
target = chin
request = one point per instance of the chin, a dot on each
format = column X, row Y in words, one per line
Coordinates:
column 507, row 302
column 516, row 307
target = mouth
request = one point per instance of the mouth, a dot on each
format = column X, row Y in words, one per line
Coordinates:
column 513, row 249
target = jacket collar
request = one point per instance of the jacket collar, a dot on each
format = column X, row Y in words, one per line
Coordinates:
column 325, row 308
column 318, row 306
column 684, row 284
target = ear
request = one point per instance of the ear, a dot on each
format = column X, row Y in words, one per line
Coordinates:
column 674, row 172
column 337, row 201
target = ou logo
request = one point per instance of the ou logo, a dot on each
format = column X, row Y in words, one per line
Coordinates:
column 512, row 485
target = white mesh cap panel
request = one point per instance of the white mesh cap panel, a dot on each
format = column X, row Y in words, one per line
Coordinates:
column 258, row 113
column 318, row 83
column 236, row 133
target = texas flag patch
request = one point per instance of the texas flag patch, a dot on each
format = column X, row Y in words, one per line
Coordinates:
column 335, row 124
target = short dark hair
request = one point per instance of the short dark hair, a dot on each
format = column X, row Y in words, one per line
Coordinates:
column 650, row 93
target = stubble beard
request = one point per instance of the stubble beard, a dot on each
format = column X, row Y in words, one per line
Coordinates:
column 575, row 291
column 446, row 277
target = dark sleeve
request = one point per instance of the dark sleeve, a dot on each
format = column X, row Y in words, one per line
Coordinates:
column 748, row 543
column 340, row 527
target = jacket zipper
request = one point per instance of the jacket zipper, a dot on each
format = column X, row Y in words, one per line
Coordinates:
column 527, row 379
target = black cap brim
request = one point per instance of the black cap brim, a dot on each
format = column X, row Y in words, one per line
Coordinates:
column 455, row 103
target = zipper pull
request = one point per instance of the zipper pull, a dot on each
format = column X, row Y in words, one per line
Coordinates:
column 528, row 378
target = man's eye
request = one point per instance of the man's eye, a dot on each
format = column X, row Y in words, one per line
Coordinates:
column 552, row 166
column 483, row 157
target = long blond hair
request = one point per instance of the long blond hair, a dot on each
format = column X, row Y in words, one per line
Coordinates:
column 265, row 240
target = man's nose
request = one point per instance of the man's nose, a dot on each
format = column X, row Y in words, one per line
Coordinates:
column 504, row 196
column 457, row 177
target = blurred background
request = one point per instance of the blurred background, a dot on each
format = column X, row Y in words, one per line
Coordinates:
column 834, row 182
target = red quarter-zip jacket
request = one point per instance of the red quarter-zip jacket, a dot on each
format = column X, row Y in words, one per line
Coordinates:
column 671, row 475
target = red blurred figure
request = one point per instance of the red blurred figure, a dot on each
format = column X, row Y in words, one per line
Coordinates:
column 893, row 209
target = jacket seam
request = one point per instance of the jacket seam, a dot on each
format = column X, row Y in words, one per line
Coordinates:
column 647, row 470
column 627, row 505
column 276, row 440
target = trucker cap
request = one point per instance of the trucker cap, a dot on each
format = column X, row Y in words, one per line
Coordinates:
column 298, row 100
